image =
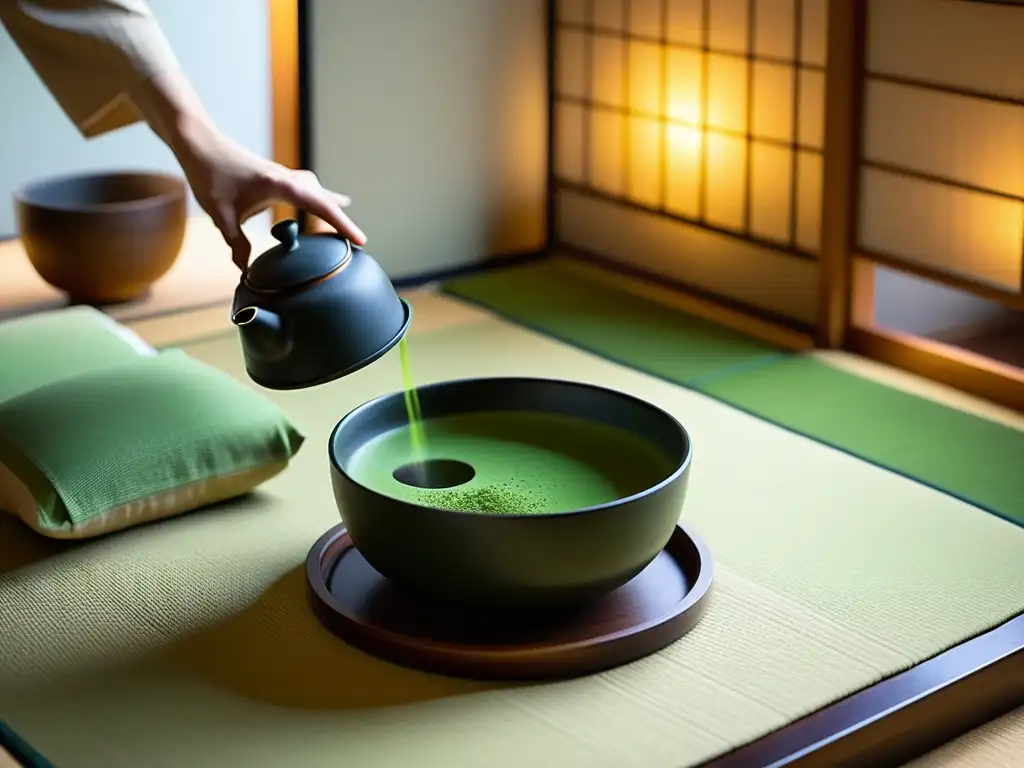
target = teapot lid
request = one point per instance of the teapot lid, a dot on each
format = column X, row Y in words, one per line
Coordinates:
column 293, row 263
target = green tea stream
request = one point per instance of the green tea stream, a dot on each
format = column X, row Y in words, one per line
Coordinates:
column 417, row 441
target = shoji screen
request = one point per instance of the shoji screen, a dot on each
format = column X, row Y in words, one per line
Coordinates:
column 942, row 179
column 688, row 142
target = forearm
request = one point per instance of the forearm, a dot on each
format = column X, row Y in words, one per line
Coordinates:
column 171, row 107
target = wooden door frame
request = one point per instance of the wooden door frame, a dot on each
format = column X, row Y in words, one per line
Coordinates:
column 284, row 28
column 844, row 82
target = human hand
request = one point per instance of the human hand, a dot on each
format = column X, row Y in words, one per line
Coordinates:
column 233, row 184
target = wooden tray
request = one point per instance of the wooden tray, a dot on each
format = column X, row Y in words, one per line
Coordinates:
column 656, row 608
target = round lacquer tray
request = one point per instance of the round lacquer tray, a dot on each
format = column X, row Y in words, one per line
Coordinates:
column 654, row 609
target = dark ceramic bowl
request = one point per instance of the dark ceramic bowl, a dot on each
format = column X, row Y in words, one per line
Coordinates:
column 105, row 237
column 501, row 559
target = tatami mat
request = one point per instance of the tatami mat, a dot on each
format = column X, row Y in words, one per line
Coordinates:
column 190, row 643
column 999, row 744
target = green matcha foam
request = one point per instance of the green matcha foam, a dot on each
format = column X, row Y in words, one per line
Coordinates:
column 526, row 463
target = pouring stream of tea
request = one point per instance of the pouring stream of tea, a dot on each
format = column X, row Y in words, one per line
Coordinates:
column 417, row 438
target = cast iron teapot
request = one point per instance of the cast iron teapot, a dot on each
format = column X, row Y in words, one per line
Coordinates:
column 313, row 309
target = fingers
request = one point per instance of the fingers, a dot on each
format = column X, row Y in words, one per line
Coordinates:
column 299, row 188
column 303, row 190
column 315, row 224
column 229, row 226
column 345, row 226
column 240, row 251
column 325, row 207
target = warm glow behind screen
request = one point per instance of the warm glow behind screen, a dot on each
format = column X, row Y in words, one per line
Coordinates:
column 697, row 126
column 710, row 112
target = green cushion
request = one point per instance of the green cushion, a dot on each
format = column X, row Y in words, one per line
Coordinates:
column 39, row 349
column 135, row 442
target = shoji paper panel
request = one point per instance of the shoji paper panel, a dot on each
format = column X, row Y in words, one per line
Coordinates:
column 950, row 229
column 709, row 121
column 609, row 14
column 761, row 277
column 645, row 18
column 571, row 68
column 972, row 141
column 572, row 11
column 965, row 45
column 943, row 144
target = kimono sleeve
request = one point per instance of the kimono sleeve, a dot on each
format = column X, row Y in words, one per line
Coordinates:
column 90, row 54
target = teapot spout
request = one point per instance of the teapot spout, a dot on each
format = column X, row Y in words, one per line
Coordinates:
column 262, row 332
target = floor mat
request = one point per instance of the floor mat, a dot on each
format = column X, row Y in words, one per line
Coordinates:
column 998, row 744
column 190, row 642
column 971, row 458
column 551, row 297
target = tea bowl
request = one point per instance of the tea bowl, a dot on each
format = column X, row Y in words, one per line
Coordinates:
column 501, row 559
column 103, row 238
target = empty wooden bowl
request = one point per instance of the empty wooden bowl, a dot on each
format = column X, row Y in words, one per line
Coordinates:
column 103, row 238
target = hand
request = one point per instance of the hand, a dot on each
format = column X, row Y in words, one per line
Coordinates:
column 233, row 184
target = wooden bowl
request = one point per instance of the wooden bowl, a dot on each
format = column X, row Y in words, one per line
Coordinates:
column 103, row 238
column 503, row 560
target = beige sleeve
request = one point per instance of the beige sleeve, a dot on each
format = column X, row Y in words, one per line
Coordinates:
column 90, row 54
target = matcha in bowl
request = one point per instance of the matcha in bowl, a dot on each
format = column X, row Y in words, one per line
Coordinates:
column 511, row 490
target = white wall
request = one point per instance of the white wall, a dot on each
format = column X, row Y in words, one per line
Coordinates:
column 431, row 114
column 223, row 47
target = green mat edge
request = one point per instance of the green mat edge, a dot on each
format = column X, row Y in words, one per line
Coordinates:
column 21, row 750
column 758, row 362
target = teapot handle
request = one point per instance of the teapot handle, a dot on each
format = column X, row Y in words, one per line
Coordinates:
column 286, row 232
